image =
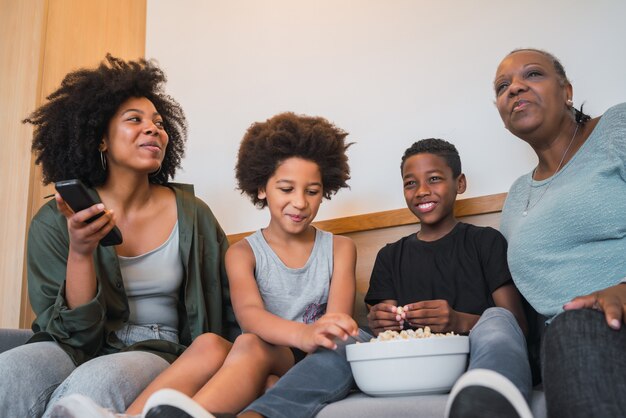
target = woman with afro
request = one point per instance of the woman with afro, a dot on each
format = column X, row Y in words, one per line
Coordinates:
column 109, row 319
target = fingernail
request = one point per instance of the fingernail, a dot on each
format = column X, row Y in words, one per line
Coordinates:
column 100, row 206
column 614, row 323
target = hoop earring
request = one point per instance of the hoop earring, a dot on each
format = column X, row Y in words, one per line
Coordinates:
column 103, row 161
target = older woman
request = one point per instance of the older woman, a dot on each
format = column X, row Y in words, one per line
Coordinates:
column 111, row 318
column 565, row 223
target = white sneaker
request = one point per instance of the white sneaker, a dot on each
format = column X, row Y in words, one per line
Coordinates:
column 170, row 403
column 80, row 406
column 485, row 393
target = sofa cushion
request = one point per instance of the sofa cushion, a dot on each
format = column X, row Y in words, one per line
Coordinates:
column 10, row 338
column 358, row 404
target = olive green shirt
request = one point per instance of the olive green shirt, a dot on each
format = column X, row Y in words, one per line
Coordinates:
column 88, row 331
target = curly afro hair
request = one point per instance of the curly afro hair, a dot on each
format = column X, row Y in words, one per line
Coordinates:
column 71, row 125
column 267, row 144
column 438, row 147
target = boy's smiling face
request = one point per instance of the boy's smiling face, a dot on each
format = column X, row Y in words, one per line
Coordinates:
column 430, row 190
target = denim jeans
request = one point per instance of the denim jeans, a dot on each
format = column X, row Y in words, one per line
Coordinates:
column 35, row 376
column 321, row 378
column 584, row 366
column 497, row 343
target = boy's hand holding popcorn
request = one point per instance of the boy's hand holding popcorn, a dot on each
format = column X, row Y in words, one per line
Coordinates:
column 385, row 316
column 439, row 316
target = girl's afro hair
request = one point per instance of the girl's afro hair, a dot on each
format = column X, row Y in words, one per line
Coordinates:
column 267, row 144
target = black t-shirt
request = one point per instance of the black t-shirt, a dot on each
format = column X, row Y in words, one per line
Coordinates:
column 464, row 268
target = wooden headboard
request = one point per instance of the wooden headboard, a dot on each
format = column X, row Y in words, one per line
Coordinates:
column 398, row 217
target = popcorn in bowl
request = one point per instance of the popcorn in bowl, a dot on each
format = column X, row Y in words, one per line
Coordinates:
column 390, row 335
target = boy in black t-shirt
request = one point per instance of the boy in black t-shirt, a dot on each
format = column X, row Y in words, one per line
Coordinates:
column 453, row 276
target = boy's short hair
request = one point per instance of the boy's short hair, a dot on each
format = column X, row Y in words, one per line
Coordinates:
column 438, row 147
column 267, row 144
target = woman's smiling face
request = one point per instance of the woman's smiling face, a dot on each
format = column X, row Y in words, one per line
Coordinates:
column 136, row 138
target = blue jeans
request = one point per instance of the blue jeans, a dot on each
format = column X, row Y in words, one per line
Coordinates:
column 584, row 366
column 321, row 378
column 497, row 343
column 35, row 376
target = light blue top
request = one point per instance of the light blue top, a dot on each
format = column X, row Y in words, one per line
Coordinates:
column 296, row 294
column 152, row 282
column 573, row 240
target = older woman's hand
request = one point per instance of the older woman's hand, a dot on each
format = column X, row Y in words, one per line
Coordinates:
column 611, row 301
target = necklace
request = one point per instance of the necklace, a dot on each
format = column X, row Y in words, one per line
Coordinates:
column 532, row 177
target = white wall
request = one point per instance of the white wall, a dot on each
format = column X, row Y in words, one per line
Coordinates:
column 388, row 72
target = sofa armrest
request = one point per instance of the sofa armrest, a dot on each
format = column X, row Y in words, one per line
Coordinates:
column 10, row 338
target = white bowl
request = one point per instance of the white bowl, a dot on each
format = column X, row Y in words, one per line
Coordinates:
column 408, row 367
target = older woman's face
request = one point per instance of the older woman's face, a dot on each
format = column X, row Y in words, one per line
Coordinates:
column 530, row 95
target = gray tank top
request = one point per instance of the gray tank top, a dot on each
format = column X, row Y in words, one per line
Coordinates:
column 299, row 294
column 152, row 282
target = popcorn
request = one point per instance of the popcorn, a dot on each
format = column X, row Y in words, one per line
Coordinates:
column 409, row 334
column 399, row 310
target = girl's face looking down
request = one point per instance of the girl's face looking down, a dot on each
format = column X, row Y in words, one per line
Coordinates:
column 135, row 139
column 294, row 195
column 530, row 94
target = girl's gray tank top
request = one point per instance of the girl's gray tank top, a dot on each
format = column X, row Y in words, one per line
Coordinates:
column 299, row 294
